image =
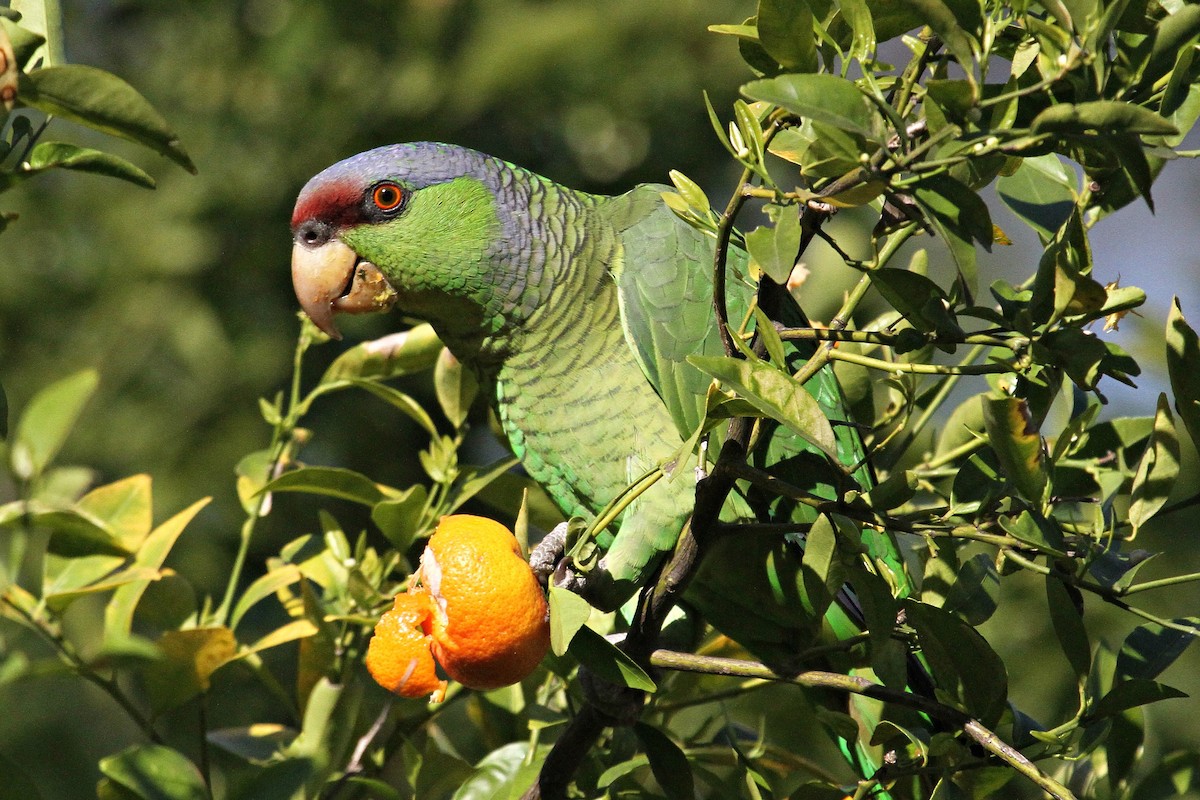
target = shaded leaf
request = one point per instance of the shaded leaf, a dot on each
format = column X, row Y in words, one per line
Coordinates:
column 667, row 761
column 48, row 155
column 455, row 386
column 155, row 772
column 101, row 100
column 118, row 614
column 263, row 587
column 963, row 664
column 774, row 248
column 1106, row 116
column 343, row 484
column 1131, row 694
column 1068, row 626
column 399, row 518
column 1151, row 648
column 608, row 661
column 785, row 30
column 189, row 658
column 1040, row 192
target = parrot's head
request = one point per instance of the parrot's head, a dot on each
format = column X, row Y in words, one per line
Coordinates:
column 414, row 223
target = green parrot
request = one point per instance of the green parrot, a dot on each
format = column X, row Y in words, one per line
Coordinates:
column 581, row 312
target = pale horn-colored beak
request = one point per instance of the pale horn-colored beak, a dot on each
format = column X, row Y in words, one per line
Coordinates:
column 331, row 278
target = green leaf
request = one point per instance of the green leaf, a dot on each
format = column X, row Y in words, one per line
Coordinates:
column 608, row 661
column 73, row 534
column 1068, row 626
column 503, row 774
column 823, row 572
column 774, row 248
column 1040, row 192
column 189, row 658
column 1151, row 648
column 455, row 386
column 46, row 422
column 399, row 518
column 775, row 394
column 155, row 772
column 821, row 97
column 667, row 761
column 404, row 353
column 1157, row 470
column 1104, row 116
column 124, row 507
column 568, row 613
column 1017, row 444
column 48, row 155
column 785, row 30
column 954, row 23
column 963, row 664
column 1183, row 366
column 101, row 100
column 920, row 300
column 975, row 593
column 262, row 588
column 1131, row 694
column 118, row 614
column 343, row 484
column 960, row 217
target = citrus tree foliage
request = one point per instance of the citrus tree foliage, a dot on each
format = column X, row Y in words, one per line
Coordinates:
column 1069, row 110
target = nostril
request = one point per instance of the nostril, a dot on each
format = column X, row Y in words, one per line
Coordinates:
column 313, row 232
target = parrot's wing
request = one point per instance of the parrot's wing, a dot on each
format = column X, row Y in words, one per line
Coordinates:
column 664, row 286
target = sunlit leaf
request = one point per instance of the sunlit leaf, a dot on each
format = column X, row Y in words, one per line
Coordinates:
column 568, row 613
column 824, row 98
column 1157, row 470
column 1183, row 365
column 1106, row 116
column 118, row 614
column 47, row 420
column 775, row 394
column 404, row 353
column 1017, row 444
column 189, row 658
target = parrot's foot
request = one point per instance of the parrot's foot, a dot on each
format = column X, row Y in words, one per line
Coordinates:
column 546, row 559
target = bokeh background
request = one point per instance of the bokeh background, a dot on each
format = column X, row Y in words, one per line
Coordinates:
column 181, row 297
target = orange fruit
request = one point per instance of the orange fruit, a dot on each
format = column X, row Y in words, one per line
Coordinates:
column 487, row 621
column 398, row 657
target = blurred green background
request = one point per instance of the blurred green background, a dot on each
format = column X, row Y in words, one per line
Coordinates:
column 181, row 297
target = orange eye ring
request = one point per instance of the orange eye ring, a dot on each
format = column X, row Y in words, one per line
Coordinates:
column 387, row 196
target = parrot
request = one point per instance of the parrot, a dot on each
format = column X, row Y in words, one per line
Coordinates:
column 580, row 313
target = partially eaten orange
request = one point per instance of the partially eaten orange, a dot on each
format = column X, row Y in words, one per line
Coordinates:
column 473, row 604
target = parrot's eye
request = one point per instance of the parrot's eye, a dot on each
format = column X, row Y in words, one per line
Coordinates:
column 387, row 196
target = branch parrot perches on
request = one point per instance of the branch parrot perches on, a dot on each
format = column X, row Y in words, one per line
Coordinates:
column 583, row 311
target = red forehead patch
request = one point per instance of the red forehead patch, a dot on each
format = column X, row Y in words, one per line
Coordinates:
column 335, row 202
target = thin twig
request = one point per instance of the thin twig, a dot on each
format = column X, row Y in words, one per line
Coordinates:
column 817, row 679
